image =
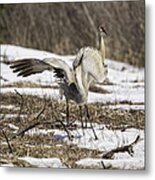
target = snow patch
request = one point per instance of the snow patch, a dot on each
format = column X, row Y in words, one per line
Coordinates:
column 107, row 141
column 131, row 164
column 44, row 162
column 127, row 80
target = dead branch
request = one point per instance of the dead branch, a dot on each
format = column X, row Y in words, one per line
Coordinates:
column 22, row 132
column 126, row 148
column 104, row 166
column 7, row 140
column 70, row 136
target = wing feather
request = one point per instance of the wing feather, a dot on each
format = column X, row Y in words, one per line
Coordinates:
column 27, row 67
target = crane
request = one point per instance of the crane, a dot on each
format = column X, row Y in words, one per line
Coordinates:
column 88, row 67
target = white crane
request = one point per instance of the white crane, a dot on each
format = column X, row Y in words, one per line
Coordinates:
column 88, row 67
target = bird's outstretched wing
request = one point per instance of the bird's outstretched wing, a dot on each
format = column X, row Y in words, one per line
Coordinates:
column 27, row 67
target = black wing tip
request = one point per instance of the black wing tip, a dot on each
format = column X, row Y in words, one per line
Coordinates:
column 22, row 75
column 15, row 70
column 58, row 73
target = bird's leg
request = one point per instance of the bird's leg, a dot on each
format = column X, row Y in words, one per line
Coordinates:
column 88, row 117
column 67, row 112
column 80, row 107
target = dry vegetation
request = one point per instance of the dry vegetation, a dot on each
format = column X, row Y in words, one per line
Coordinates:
column 54, row 109
column 47, row 114
column 63, row 28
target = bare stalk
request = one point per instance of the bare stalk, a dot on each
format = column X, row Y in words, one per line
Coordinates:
column 7, row 140
column 70, row 136
column 22, row 132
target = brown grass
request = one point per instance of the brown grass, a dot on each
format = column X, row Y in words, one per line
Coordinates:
column 28, row 84
column 43, row 145
column 44, row 27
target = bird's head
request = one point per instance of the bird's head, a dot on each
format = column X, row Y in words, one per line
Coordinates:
column 101, row 29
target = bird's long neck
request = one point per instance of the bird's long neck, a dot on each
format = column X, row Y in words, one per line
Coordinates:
column 101, row 45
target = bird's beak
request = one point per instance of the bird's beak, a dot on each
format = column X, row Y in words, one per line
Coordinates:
column 105, row 32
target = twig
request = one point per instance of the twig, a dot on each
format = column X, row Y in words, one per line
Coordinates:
column 95, row 135
column 70, row 136
column 55, row 114
column 41, row 111
column 7, row 140
column 22, row 132
column 104, row 166
column 126, row 148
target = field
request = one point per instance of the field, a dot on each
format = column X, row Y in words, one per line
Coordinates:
column 33, row 130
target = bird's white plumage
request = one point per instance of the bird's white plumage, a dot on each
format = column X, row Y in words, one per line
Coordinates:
column 87, row 67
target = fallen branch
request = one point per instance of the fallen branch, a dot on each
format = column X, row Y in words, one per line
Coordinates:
column 22, row 132
column 126, row 148
column 7, row 140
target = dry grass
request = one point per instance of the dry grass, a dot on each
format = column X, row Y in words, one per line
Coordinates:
column 28, row 84
column 43, row 145
column 44, row 27
column 98, row 112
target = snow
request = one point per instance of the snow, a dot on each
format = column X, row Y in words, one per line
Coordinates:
column 108, row 140
column 42, row 92
column 44, row 78
column 36, row 131
column 125, row 91
column 8, row 165
column 118, row 94
column 130, row 74
column 131, row 164
column 125, row 107
column 12, row 126
column 15, row 52
column 9, row 116
column 44, row 162
column 7, row 106
column 128, row 80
